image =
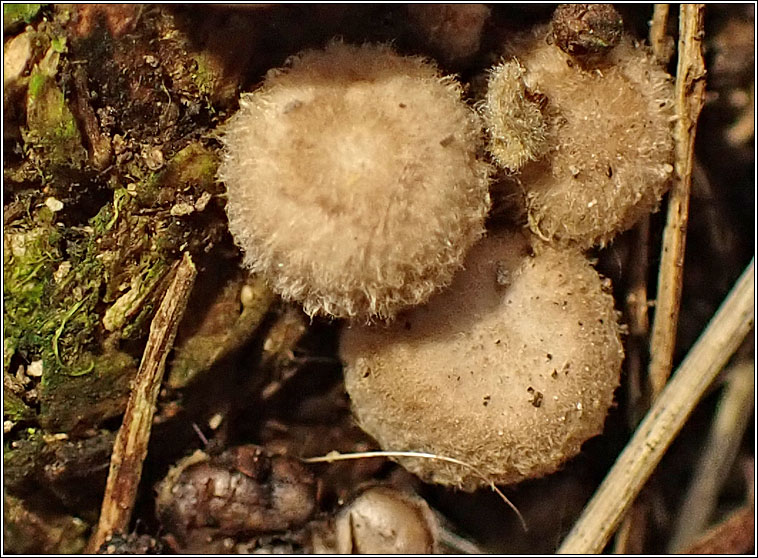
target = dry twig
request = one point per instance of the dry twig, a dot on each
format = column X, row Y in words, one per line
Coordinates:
column 630, row 537
column 636, row 299
column 637, row 317
column 130, row 447
column 659, row 428
column 690, row 96
column 632, row 530
column 660, row 42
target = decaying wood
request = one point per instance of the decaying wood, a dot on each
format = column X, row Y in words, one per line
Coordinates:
column 100, row 149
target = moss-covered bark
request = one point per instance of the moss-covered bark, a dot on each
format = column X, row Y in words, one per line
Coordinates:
column 108, row 180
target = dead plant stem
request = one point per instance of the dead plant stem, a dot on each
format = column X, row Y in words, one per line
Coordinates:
column 130, row 447
column 689, row 99
column 632, row 529
column 658, row 38
column 665, row 419
column 637, row 316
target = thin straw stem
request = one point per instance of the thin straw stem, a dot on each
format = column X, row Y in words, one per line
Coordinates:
column 664, row 421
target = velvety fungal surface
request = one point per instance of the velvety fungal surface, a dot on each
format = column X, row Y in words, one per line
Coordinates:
column 608, row 134
column 510, row 370
column 513, row 113
column 352, row 179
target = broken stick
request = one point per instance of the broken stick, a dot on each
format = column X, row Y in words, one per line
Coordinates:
column 130, row 447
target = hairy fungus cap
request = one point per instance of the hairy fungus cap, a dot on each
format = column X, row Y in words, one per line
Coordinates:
column 510, row 370
column 609, row 145
column 352, row 179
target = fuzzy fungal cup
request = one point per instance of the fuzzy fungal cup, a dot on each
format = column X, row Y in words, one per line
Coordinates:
column 510, row 370
column 604, row 147
column 352, row 179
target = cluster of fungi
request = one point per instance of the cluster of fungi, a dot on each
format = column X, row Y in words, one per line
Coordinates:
column 358, row 184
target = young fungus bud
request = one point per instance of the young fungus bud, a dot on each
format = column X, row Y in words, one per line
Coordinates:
column 352, row 179
column 514, row 117
column 384, row 520
column 608, row 145
column 509, row 370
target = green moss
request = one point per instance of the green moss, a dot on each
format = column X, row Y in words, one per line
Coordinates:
column 30, row 260
column 37, row 82
column 15, row 14
column 68, row 402
column 53, row 312
column 51, row 128
column 50, row 301
column 105, row 218
column 58, row 44
column 212, row 80
column 204, row 76
column 9, row 349
column 135, row 328
column 64, row 284
column 194, row 166
column 71, row 293
column 193, row 169
column 14, row 408
column 129, row 309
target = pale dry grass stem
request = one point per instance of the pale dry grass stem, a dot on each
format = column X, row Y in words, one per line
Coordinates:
column 665, row 419
column 336, row 456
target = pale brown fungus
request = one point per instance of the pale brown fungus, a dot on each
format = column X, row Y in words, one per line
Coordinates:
column 510, row 378
column 604, row 136
column 353, row 182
